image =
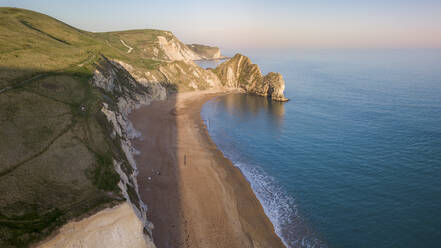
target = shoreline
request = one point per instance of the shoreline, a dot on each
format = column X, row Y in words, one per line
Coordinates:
column 196, row 197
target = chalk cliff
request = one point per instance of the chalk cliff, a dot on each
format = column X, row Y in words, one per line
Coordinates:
column 126, row 93
column 173, row 49
column 153, row 44
column 163, row 46
column 206, row 52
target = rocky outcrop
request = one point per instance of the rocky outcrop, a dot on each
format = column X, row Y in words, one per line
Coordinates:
column 187, row 75
column 274, row 86
column 239, row 72
column 206, row 52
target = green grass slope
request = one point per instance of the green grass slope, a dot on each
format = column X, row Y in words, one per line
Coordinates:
column 55, row 159
column 30, row 41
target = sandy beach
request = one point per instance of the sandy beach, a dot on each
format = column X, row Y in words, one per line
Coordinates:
column 195, row 196
column 116, row 227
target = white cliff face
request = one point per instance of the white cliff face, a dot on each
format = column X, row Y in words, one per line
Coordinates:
column 206, row 52
column 130, row 92
column 136, row 90
column 173, row 49
column 217, row 54
column 164, row 46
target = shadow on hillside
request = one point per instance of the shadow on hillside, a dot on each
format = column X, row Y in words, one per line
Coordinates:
column 55, row 153
column 156, row 150
column 56, row 157
column 158, row 177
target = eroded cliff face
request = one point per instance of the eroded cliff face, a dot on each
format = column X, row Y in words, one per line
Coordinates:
column 125, row 94
column 206, row 52
column 168, row 47
column 164, row 46
column 239, row 72
column 176, row 76
column 187, row 75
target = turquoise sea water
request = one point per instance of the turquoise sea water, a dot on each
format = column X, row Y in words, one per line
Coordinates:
column 354, row 159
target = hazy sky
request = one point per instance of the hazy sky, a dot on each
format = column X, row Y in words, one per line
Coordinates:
column 261, row 24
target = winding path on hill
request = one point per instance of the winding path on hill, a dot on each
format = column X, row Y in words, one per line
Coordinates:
column 130, row 48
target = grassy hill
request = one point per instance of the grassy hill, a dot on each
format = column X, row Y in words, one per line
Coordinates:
column 31, row 41
column 55, row 158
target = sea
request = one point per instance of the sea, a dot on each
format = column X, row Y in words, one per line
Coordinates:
column 354, row 158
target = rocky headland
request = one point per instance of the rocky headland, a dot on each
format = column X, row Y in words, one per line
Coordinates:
column 207, row 52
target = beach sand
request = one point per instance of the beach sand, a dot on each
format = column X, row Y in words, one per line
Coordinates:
column 195, row 196
column 116, row 227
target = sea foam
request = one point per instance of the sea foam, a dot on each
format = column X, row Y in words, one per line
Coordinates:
column 278, row 205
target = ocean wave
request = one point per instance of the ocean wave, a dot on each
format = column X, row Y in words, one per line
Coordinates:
column 279, row 206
